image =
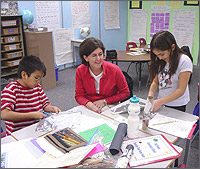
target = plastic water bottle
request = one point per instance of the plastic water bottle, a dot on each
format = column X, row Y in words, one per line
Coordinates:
column 133, row 119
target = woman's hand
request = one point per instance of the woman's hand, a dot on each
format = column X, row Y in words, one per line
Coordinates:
column 93, row 107
column 99, row 103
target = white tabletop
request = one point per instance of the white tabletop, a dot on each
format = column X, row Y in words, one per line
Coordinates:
column 30, row 132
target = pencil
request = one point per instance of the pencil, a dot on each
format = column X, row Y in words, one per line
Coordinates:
column 164, row 123
column 69, row 139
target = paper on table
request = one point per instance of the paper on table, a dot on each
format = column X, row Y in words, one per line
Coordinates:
column 71, row 158
column 107, row 132
column 176, row 127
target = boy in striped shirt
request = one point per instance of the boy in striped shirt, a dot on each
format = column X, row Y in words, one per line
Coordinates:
column 23, row 101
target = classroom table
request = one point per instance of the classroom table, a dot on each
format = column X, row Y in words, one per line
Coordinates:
column 169, row 112
column 122, row 56
column 75, row 43
column 31, row 132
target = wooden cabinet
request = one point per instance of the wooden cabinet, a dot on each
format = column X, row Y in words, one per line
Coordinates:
column 41, row 44
column 12, row 45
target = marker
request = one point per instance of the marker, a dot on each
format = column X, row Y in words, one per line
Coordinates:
column 125, row 158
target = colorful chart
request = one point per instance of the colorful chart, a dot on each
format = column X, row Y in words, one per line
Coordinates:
column 150, row 150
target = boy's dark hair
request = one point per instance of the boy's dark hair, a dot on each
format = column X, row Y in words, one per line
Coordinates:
column 30, row 64
column 88, row 46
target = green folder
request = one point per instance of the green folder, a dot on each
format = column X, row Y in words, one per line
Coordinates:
column 107, row 132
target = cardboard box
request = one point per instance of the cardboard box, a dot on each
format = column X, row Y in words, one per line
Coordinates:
column 11, row 63
column 9, row 23
column 11, row 47
column 11, row 39
column 10, row 31
column 41, row 44
column 12, row 55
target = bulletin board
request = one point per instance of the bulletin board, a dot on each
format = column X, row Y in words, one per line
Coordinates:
column 174, row 7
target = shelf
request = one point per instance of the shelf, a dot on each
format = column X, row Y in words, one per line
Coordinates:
column 9, row 43
column 14, row 50
column 18, row 51
column 14, row 34
column 8, row 74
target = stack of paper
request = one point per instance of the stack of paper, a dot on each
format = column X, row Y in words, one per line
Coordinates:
column 173, row 126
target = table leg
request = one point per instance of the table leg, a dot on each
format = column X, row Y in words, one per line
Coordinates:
column 140, row 69
column 187, row 148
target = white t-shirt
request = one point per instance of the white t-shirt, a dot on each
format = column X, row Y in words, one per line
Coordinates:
column 168, row 86
column 97, row 79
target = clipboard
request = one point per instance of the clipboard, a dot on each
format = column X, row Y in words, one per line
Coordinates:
column 150, row 149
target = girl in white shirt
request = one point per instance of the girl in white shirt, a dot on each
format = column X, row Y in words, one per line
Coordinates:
column 170, row 71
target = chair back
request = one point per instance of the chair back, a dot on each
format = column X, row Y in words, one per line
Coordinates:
column 130, row 45
column 142, row 42
column 3, row 133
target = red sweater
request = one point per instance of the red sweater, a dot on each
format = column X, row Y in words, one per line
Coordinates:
column 18, row 98
column 113, row 86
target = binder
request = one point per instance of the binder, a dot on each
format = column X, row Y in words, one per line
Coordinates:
column 150, row 149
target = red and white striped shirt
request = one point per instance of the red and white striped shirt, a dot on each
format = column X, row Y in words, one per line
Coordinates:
column 18, row 98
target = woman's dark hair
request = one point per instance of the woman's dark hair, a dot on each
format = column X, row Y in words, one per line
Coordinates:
column 163, row 40
column 88, row 46
column 30, row 64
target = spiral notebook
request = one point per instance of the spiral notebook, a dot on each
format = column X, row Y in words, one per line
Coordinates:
column 150, row 149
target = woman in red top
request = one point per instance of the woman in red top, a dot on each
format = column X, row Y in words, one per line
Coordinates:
column 98, row 82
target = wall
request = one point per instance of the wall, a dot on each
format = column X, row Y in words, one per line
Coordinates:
column 112, row 39
column 147, row 5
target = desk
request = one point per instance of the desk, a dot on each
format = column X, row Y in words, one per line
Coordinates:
column 75, row 43
column 167, row 112
column 30, row 132
column 122, row 56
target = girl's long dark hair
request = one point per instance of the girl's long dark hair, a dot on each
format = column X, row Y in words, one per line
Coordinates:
column 163, row 40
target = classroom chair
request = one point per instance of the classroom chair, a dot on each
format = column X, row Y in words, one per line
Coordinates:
column 3, row 133
column 142, row 42
column 130, row 45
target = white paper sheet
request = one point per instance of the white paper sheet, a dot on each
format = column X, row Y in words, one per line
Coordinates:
column 47, row 14
column 62, row 45
column 138, row 24
column 18, row 155
column 183, row 27
column 176, row 127
column 80, row 14
column 111, row 17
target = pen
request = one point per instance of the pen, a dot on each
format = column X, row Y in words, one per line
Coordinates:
column 164, row 123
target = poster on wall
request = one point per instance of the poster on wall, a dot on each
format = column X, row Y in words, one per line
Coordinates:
column 62, row 45
column 111, row 17
column 9, row 8
column 183, row 27
column 47, row 14
column 159, row 19
column 138, row 26
column 80, row 14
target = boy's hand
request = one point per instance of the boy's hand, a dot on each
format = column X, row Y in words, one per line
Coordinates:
column 52, row 109
column 38, row 115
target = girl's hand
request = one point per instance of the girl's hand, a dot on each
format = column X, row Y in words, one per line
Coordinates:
column 157, row 105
